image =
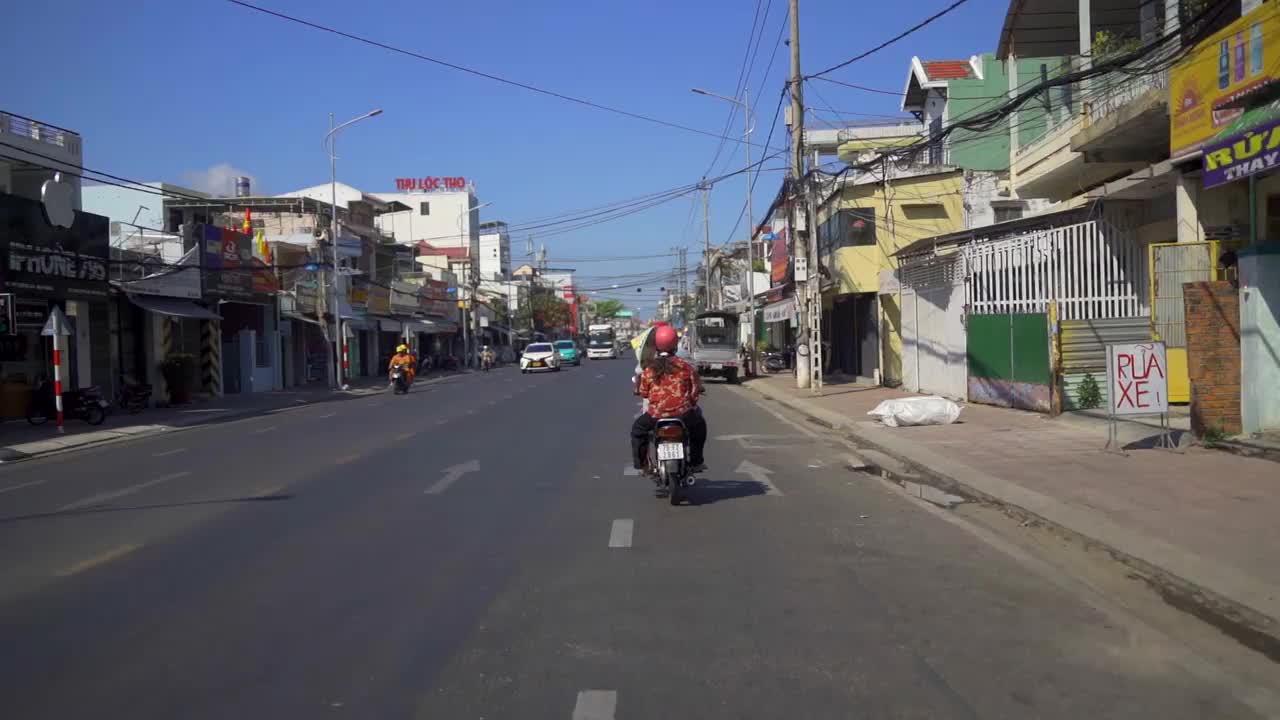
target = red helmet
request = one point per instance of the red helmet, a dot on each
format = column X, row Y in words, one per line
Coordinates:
column 665, row 338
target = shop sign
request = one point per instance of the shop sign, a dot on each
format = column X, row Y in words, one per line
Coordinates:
column 431, row 184
column 781, row 311
column 228, row 266
column 779, row 260
column 43, row 260
column 1207, row 88
column 379, row 300
column 1137, row 381
column 1253, row 152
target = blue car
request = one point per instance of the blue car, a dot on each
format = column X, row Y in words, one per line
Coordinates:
column 568, row 350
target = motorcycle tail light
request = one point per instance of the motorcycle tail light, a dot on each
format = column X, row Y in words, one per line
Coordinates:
column 671, row 432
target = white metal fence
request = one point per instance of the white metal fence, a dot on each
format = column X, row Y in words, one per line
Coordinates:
column 1092, row 269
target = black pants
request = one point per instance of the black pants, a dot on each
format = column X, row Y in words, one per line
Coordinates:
column 644, row 425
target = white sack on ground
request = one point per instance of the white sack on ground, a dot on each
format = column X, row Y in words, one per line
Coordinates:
column 932, row 410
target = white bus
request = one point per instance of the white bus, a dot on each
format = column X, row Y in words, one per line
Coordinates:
column 602, row 342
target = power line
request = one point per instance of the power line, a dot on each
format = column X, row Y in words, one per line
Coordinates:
column 884, row 44
column 472, row 71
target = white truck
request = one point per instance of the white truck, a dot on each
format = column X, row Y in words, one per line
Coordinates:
column 602, row 342
column 713, row 345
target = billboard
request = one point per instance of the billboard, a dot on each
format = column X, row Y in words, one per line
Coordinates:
column 1209, row 86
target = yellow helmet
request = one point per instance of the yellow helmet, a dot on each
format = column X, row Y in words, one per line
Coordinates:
column 402, row 348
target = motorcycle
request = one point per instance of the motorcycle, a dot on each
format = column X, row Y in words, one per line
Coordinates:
column 399, row 380
column 84, row 404
column 668, row 459
column 133, row 397
column 774, row 361
column 486, row 362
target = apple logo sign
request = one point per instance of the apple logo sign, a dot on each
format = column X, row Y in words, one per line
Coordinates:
column 56, row 196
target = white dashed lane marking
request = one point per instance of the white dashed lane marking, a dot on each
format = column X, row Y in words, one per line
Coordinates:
column 595, row 705
column 620, row 533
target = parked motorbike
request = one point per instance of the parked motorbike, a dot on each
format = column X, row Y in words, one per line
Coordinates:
column 84, row 404
column 668, row 459
column 399, row 379
column 133, row 397
column 774, row 361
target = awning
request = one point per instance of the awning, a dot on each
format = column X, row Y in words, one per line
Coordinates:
column 781, row 311
column 175, row 307
column 358, row 323
column 388, row 325
column 301, row 318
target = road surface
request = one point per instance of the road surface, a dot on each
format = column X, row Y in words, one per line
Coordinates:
column 480, row 549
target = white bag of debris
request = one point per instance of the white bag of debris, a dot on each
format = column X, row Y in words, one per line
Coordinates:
column 931, row 410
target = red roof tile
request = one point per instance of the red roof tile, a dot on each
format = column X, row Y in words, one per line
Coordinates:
column 426, row 248
column 947, row 69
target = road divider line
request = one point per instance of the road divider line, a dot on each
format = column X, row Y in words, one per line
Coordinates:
column 621, row 532
column 100, row 559
column 102, row 498
column 404, row 436
column 269, row 491
column 760, row 475
column 260, row 431
column 167, row 453
column 596, row 705
column 326, row 415
column 347, row 458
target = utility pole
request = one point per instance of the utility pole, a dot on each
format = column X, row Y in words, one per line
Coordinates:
column 751, row 228
column 806, row 358
column 706, row 241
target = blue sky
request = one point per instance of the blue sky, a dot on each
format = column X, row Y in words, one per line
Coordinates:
column 166, row 90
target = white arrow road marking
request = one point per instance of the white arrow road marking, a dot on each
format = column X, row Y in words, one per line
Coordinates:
column 760, row 475
column 620, row 533
column 595, row 705
column 451, row 476
column 106, row 497
column 629, row 470
column 167, row 453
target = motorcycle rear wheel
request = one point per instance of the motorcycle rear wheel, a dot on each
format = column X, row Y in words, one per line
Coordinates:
column 37, row 416
column 94, row 415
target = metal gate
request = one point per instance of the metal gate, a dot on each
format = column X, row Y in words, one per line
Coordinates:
column 933, row 333
column 1173, row 264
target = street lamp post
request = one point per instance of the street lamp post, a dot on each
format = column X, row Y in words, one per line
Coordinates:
column 745, row 104
column 331, row 144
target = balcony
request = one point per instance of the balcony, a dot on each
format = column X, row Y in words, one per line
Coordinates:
column 31, row 151
column 1129, row 122
column 1051, row 167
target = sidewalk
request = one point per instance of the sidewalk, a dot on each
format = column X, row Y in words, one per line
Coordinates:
column 1201, row 523
column 19, row 440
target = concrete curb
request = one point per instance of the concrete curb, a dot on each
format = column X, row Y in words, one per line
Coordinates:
column 9, row 455
column 1224, row 596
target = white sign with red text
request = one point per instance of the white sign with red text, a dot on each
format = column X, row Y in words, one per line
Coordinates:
column 1138, row 379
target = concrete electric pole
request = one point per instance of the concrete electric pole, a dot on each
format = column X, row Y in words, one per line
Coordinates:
column 809, row 340
column 706, row 242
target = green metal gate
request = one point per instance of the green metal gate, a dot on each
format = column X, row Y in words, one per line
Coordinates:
column 1008, row 359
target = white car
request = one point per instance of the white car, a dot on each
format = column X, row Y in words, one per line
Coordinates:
column 539, row 356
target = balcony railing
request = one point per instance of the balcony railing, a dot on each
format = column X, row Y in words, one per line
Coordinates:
column 25, row 127
column 904, row 128
column 1118, row 88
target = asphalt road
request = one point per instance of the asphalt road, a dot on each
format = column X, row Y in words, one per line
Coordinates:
column 478, row 549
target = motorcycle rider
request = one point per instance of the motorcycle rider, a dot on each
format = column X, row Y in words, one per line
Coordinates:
column 672, row 388
column 405, row 358
column 486, row 357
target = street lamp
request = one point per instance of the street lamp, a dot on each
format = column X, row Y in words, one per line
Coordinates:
column 748, row 128
column 331, row 143
column 473, row 265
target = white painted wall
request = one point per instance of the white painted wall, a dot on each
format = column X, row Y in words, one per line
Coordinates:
column 495, row 256
column 1260, row 342
column 445, row 224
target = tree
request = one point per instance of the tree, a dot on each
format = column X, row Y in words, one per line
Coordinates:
column 547, row 311
column 605, row 309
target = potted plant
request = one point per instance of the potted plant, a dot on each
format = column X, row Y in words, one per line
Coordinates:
column 177, row 371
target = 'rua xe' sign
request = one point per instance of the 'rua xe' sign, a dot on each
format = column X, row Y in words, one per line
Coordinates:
column 1137, row 381
column 430, row 184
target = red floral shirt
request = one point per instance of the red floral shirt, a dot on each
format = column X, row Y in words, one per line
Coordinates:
column 675, row 393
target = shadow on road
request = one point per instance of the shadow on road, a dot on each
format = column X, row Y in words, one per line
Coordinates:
column 706, row 492
column 158, row 506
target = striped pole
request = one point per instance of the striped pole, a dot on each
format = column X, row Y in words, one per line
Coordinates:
column 346, row 362
column 57, row 380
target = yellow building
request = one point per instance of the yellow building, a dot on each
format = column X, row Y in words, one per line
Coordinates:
column 861, row 223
